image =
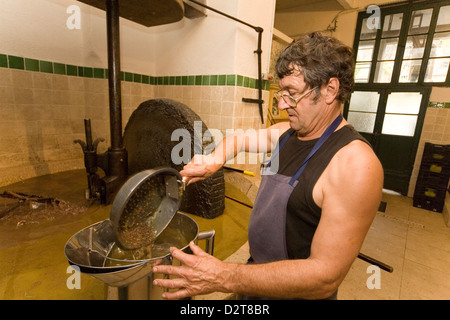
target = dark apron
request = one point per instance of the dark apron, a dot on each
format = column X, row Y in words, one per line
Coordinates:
column 267, row 226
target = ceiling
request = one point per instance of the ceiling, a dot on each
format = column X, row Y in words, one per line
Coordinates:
column 307, row 5
column 289, row 25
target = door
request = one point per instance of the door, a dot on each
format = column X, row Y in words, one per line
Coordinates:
column 401, row 52
column 391, row 121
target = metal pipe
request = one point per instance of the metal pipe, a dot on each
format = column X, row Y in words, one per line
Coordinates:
column 209, row 236
column 115, row 92
column 225, row 15
column 259, row 52
column 88, row 132
column 376, row 262
column 260, row 30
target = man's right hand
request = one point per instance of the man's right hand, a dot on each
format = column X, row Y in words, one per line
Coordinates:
column 199, row 168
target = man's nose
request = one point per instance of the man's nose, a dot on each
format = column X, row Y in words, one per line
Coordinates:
column 282, row 105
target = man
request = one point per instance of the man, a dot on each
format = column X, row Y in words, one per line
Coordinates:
column 312, row 213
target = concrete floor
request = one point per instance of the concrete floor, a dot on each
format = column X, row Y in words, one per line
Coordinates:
column 416, row 243
column 32, row 261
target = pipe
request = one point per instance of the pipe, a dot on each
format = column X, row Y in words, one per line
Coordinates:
column 258, row 51
column 115, row 92
column 241, row 171
column 225, row 15
column 371, row 260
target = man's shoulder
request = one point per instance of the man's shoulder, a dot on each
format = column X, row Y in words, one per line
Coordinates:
column 355, row 162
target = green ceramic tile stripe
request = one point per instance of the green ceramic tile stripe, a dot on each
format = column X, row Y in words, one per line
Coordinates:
column 442, row 105
column 28, row 64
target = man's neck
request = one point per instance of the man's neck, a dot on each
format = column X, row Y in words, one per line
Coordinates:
column 322, row 126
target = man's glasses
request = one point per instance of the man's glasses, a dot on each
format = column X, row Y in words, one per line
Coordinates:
column 291, row 101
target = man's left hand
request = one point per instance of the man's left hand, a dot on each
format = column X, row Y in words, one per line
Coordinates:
column 199, row 273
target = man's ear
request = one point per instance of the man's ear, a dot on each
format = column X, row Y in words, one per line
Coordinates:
column 331, row 90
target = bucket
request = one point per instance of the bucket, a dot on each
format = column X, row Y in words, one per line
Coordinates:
column 90, row 250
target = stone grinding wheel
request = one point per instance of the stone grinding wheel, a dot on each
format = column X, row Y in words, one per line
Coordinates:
column 147, row 138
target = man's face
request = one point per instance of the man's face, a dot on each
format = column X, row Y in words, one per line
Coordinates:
column 304, row 115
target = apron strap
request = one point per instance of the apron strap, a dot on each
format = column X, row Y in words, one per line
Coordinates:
column 277, row 150
column 316, row 147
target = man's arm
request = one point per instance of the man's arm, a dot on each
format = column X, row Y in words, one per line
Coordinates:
column 204, row 166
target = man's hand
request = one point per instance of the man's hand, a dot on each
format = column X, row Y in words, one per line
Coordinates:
column 199, row 168
column 199, row 273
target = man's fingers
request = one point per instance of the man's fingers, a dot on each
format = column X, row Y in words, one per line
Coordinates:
column 170, row 270
column 180, row 294
column 177, row 283
column 170, row 283
column 197, row 250
column 184, row 258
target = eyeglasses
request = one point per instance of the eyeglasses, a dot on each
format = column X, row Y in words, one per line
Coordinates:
column 291, row 101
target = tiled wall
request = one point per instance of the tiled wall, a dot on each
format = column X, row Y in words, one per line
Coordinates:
column 43, row 104
column 436, row 129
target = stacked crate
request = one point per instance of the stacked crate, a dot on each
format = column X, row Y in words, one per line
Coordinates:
column 432, row 182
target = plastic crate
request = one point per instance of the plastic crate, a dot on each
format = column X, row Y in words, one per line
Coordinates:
column 438, row 153
column 429, row 197
column 440, row 149
column 432, row 179
column 434, row 167
column 429, row 203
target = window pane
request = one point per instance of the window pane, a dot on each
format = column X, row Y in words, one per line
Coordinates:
column 410, row 71
column 383, row 72
column 364, row 101
column 362, row 122
column 367, row 33
column 365, row 50
column 404, row 102
column 441, row 45
column 437, row 70
column 362, row 72
column 400, row 125
column 388, row 49
column 443, row 23
column 420, row 21
column 415, row 46
column 392, row 25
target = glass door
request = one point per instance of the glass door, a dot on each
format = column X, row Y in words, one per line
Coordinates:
column 391, row 121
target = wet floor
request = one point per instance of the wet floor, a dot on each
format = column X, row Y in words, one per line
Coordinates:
column 32, row 235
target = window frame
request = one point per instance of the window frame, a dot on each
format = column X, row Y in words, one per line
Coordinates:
column 406, row 10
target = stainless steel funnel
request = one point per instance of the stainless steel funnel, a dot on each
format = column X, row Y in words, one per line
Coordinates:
column 89, row 249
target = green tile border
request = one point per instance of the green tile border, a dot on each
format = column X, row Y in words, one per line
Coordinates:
column 29, row 64
column 3, row 61
column 440, row 105
column 16, row 62
column 32, row 64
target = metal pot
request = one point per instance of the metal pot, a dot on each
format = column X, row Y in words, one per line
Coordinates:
column 145, row 205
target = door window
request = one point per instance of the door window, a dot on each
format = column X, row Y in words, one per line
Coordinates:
column 421, row 44
column 363, row 110
column 401, row 114
column 438, row 64
column 365, row 53
column 415, row 45
column 388, row 47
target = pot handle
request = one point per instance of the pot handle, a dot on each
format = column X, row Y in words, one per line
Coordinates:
column 209, row 236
